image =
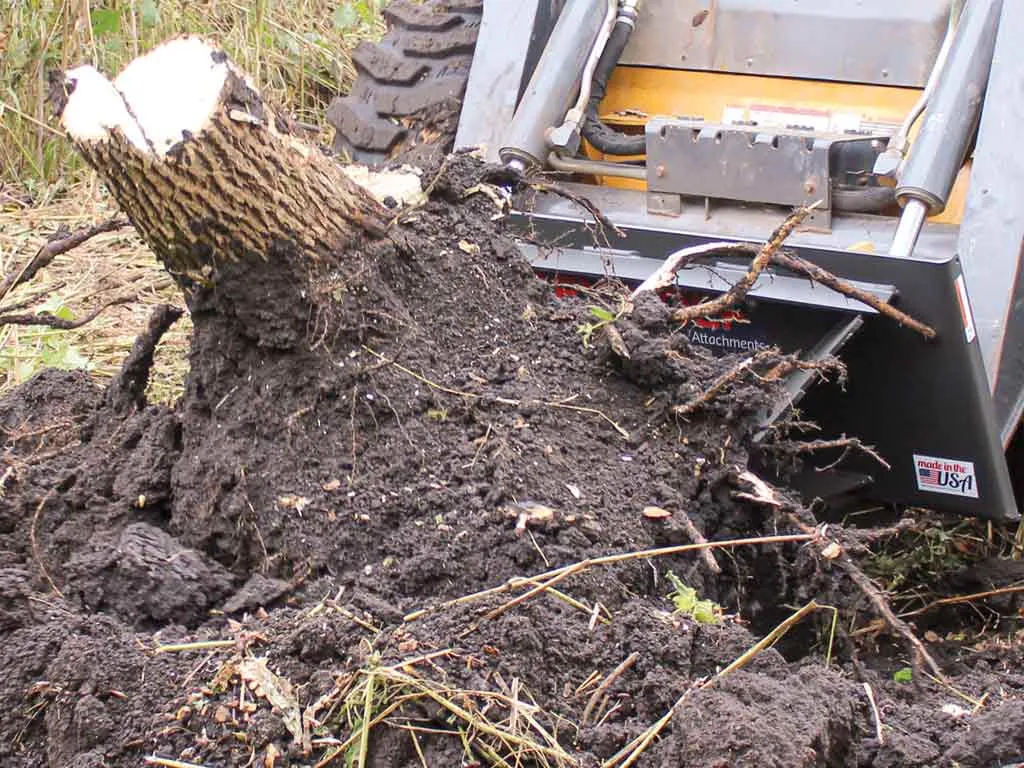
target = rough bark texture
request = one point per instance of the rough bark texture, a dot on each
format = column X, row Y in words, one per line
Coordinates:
column 241, row 193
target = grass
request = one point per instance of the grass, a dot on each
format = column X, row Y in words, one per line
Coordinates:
column 107, row 266
column 298, row 53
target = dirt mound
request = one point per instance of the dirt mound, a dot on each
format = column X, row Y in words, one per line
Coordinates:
column 443, row 431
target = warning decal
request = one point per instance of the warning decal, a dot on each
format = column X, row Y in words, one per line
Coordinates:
column 965, row 309
column 951, row 476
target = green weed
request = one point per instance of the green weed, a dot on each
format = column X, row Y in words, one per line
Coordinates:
column 603, row 316
column 688, row 604
column 40, row 347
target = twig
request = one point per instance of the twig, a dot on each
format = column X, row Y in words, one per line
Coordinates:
column 584, row 409
column 503, row 400
column 738, row 292
column 36, row 553
column 545, row 579
column 45, row 255
column 50, row 320
column 826, row 278
column 614, row 675
column 976, row 703
column 874, row 711
column 965, row 599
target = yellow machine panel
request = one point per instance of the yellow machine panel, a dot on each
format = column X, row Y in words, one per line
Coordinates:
column 637, row 93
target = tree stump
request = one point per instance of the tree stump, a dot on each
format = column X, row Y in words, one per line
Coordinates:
column 220, row 186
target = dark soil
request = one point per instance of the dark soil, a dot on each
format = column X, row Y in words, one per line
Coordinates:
column 312, row 489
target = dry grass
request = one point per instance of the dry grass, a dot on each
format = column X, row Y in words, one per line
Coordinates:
column 297, row 51
column 110, row 265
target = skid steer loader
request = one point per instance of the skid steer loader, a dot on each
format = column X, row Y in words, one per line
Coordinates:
column 694, row 121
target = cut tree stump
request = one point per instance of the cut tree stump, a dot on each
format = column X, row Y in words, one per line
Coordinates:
column 215, row 181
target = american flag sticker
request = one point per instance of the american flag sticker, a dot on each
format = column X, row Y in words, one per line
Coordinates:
column 954, row 477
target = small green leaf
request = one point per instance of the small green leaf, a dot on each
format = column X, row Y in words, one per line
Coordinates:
column 904, row 675
column 603, row 314
column 52, row 305
column 64, row 313
column 345, row 17
column 687, row 603
column 73, row 359
column 105, row 21
column 704, row 612
column 149, row 12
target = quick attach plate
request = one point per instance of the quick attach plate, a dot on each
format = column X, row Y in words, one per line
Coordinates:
column 693, row 158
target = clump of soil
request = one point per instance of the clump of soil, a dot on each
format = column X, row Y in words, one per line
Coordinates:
column 443, row 431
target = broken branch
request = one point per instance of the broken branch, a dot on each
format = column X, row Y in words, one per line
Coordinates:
column 50, row 320
column 54, row 248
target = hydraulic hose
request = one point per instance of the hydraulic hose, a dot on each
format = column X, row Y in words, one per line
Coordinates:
column 602, row 137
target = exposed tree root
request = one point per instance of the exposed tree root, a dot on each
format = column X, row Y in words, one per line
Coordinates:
column 720, row 384
column 826, row 278
column 763, row 493
column 666, row 273
column 128, row 389
column 738, row 292
column 769, row 253
column 781, row 365
column 847, row 444
column 603, row 222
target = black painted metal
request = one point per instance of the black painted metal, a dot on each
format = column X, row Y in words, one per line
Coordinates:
column 906, row 395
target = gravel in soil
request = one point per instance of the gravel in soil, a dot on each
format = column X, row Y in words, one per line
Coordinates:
column 228, row 582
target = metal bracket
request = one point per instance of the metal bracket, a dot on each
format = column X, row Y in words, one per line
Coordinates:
column 693, row 158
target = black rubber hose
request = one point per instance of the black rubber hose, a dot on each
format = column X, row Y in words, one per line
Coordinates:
column 602, row 137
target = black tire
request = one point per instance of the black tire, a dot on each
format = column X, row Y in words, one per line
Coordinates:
column 408, row 91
